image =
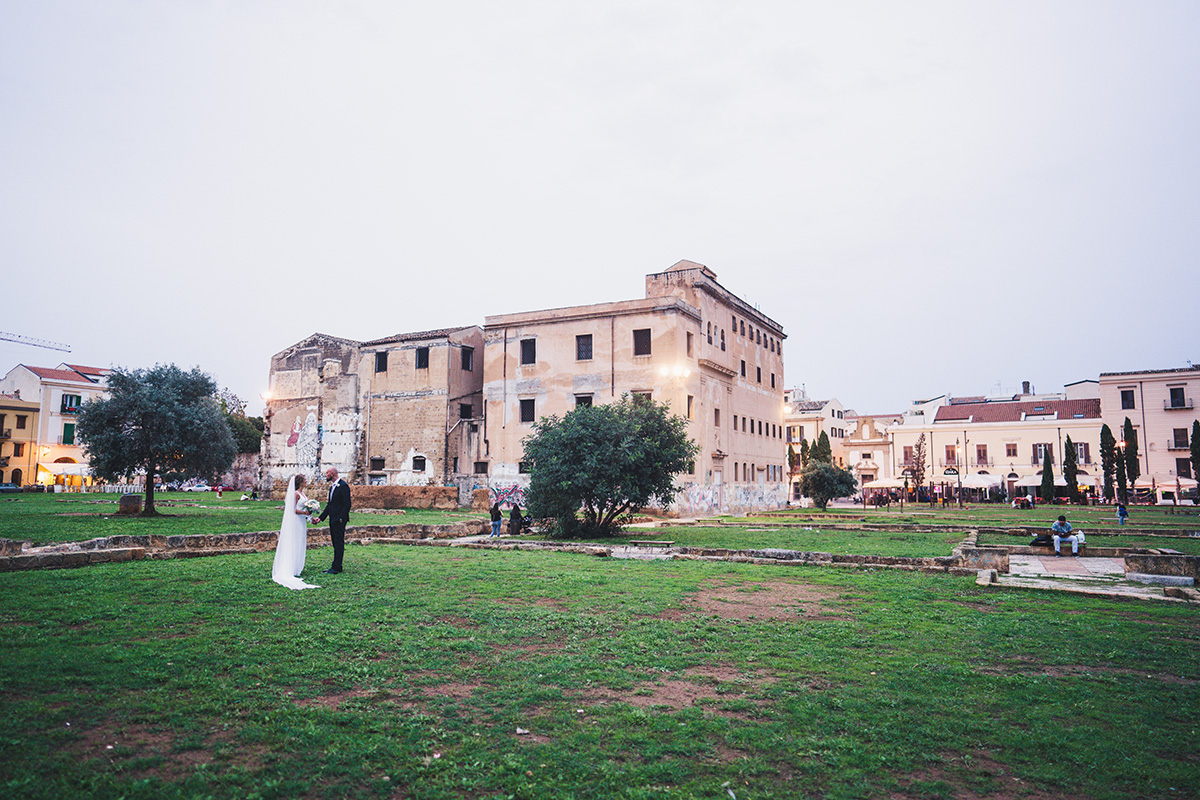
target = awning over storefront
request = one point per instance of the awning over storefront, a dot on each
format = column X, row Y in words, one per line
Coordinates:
column 886, row 483
column 66, row 469
column 1163, row 482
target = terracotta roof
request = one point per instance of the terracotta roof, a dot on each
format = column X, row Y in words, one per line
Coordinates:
column 1149, row 372
column 440, row 333
column 1013, row 412
column 98, row 372
column 960, row 400
column 58, row 374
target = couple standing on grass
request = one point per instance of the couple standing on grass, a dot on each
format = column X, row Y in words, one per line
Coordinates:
column 298, row 512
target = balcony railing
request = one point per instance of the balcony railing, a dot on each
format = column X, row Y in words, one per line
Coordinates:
column 942, row 462
column 982, row 462
column 1037, row 462
column 1174, row 445
column 1177, row 405
column 6, row 433
column 3, row 461
column 69, row 408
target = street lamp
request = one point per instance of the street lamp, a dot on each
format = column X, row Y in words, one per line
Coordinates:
column 958, row 454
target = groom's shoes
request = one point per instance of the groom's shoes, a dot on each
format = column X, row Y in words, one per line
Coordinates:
column 333, row 572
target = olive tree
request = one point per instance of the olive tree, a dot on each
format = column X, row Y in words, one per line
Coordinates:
column 597, row 464
column 156, row 420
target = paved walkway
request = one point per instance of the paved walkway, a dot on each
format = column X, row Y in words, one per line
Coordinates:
column 1098, row 577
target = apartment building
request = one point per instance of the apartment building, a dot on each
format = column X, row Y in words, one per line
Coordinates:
column 1000, row 443
column 18, row 439
column 1160, row 405
column 690, row 343
column 59, row 393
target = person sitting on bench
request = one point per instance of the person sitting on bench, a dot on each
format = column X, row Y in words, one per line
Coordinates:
column 1061, row 532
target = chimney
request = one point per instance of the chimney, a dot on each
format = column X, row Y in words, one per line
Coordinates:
column 1024, row 387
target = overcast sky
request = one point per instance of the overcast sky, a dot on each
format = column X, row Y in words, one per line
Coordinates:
column 929, row 196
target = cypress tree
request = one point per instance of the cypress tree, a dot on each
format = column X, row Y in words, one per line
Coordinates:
column 1108, row 460
column 1071, row 471
column 1132, row 469
column 1047, row 490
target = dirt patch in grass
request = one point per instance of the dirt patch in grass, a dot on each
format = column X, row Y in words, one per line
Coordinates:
column 958, row 775
column 123, row 744
column 335, row 700
column 774, row 600
column 1031, row 666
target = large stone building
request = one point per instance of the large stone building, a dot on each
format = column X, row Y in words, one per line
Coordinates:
column 59, row 393
column 401, row 410
column 690, row 343
column 1160, row 405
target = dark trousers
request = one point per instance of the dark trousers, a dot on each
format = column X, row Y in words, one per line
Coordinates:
column 337, row 535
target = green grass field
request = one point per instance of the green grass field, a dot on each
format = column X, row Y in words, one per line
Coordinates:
column 431, row 672
column 48, row 518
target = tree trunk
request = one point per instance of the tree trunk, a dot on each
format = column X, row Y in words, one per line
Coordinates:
column 148, row 510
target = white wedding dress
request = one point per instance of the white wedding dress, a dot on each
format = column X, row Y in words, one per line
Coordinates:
column 292, row 543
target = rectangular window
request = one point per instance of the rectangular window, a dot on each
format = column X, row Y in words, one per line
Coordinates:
column 20, row 422
column 690, row 340
column 1043, row 454
column 744, row 425
column 743, row 368
column 641, row 342
column 717, row 417
column 1083, row 454
column 481, row 467
column 951, row 455
column 527, row 411
column 1127, row 399
column 1181, row 438
column 468, row 359
column 760, row 427
column 529, row 351
column 1177, row 398
column 381, row 362
column 583, row 347
column 418, row 463
column 908, row 454
column 68, row 436
column 690, row 403
column 1010, row 450
column 758, row 374
column 376, row 464
column 70, row 403
column 18, row 449
column 422, row 358
column 981, row 459
column 583, row 400
column 641, row 398
column 456, row 464
column 772, row 380
column 465, row 411
column 742, row 327
column 1183, row 467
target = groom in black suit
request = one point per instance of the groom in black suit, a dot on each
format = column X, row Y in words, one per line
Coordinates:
column 338, row 512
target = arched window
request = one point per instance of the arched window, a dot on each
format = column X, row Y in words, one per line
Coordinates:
column 722, row 340
column 710, row 333
column 16, row 477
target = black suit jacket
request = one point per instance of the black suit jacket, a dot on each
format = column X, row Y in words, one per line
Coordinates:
column 338, row 507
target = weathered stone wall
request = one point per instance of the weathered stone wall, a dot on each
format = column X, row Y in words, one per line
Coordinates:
column 441, row 497
column 1163, row 564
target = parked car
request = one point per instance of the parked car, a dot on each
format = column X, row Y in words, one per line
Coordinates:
column 199, row 487
column 9, row 487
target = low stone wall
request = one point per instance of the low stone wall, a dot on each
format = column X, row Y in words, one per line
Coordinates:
column 439, row 497
column 111, row 549
column 1163, row 564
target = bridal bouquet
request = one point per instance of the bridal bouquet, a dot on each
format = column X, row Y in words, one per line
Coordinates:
column 312, row 507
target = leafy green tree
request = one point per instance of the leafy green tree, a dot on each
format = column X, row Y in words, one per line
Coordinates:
column 823, row 482
column 792, row 458
column 805, row 453
column 1047, row 487
column 1108, row 460
column 1132, row 468
column 606, row 461
column 1071, row 470
column 247, row 432
column 157, row 420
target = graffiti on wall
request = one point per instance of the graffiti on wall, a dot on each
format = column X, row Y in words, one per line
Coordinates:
column 306, row 438
column 508, row 495
column 695, row 499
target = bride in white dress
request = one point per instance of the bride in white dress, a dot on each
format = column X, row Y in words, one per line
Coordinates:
column 293, row 539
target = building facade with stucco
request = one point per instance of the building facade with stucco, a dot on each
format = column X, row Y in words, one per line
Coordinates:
column 689, row 343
